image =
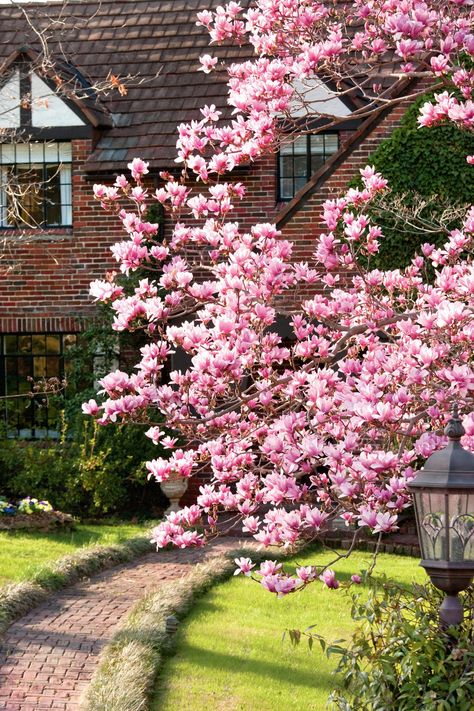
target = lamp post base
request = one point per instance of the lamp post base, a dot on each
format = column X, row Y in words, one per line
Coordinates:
column 451, row 611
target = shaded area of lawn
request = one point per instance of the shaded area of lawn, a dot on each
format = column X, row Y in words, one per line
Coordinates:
column 23, row 553
column 230, row 654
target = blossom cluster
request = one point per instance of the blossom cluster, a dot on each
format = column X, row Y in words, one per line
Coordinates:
column 272, row 576
column 333, row 422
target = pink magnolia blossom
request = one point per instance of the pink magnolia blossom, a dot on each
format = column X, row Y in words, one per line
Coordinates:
column 244, row 565
column 330, row 423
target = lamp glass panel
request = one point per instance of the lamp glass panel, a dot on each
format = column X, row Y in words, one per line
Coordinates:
column 431, row 509
column 461, row 527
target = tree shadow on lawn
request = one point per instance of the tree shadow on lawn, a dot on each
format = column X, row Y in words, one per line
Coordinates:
column 236, row 664
column 79, row 537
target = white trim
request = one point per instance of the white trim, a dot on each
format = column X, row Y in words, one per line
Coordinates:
column 65, row 180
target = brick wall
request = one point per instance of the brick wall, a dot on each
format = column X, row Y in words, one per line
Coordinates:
column 45, row 276
column 45, row 281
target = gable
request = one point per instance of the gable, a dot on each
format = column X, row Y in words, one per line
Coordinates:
column 31, row 93
column 49, row 110
column 10, row 102
column 315, row 97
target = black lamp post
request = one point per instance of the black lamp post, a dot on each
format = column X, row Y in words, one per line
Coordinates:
column 443, row 493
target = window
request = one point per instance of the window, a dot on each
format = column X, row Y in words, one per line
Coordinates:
column 26, row 356
column 35, row 184
column 298, row 160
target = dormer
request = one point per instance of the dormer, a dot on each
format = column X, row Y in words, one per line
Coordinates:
column 47, row 104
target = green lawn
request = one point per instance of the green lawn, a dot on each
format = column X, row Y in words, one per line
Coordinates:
column 23, row 554
column 230, row 654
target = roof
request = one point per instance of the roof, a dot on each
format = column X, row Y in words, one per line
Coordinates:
column 155, row 42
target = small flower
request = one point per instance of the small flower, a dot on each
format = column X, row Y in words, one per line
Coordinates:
column 138, row 167
column 207, row 63
column 245, row 566
column 329, row 579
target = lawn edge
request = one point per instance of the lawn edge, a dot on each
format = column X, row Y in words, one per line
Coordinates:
column 17, row 599
column 131, row 662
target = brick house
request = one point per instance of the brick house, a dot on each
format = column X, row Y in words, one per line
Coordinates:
column 67, row 136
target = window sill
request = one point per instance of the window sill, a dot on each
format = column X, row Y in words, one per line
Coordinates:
column 38, row 234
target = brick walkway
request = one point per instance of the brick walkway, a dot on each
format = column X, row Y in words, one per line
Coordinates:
column 48, row 656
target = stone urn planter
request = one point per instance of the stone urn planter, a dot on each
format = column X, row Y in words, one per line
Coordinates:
column 174, row 488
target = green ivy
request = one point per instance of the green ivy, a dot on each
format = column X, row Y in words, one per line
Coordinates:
column 421, row 163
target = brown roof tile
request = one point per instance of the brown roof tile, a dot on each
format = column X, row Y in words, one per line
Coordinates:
column 155, row 41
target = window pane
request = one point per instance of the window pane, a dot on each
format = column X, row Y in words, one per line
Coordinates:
column 11, row 383
column 286, row 166
column 24, row 344
column 316, row 163
column 300, row 146
column 317, row 144
column 331, row 143
column 52, row 195
column 53, row 344
column 301, row 166
column 286, row 149
column 25, row 366
column 299, row 183
column 39, row 367
column 286, row 188
column 53, row 367
column 10, row 343
column 38, row 343
column 65, row 152
column 24, row 386
column 7, row 154
column 69, row 341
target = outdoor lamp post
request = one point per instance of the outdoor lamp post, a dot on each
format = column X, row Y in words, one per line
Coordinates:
column 443, row 493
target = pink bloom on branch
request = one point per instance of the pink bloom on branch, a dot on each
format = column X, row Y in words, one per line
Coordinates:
column 269, row 567
column 138, row 168
column 279, row 584
column 329, row 579
column 207, row 63
column 244, row 565
column 90, row 408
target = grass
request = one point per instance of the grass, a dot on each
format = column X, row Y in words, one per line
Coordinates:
column 24, row 554
column 130, row 662
column 230, row 655
column 36, row 564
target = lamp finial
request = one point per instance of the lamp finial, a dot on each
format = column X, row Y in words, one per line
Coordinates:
column 454, row 429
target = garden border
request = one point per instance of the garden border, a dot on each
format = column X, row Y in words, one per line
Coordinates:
column 131, row 662
column 17, row 599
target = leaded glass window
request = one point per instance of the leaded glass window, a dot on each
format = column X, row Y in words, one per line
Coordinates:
column 35, row 184
column 25, row 358
column 300, row 159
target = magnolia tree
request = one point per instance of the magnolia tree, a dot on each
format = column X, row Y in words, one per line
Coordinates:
column 332, row 423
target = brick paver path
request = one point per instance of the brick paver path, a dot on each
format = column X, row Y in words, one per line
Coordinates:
column 47, row 658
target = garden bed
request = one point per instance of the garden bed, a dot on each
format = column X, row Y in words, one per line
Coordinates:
column 37, row 521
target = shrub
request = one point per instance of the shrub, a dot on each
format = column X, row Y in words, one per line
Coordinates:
column 97, row 470
column 429, row 178
column 400, row 659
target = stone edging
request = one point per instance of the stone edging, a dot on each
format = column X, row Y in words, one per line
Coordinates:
column 131, row 661
column 18, row 599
